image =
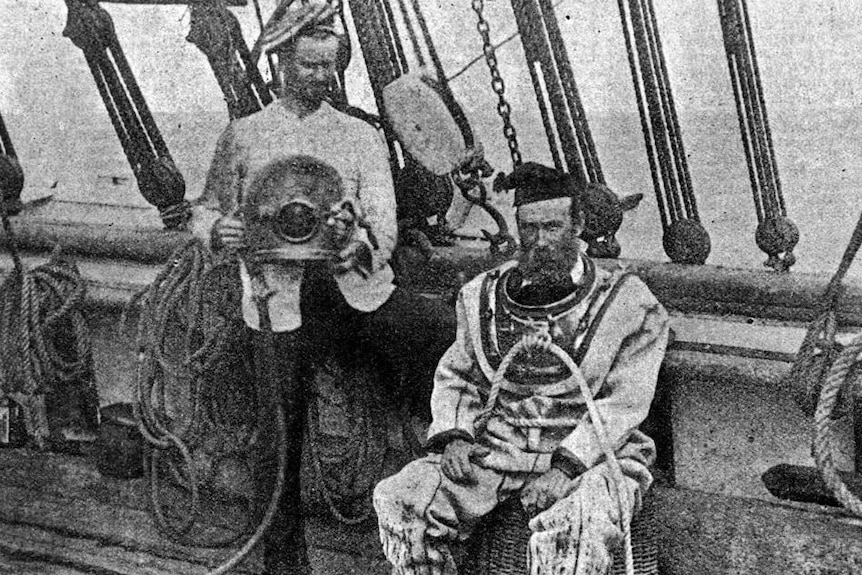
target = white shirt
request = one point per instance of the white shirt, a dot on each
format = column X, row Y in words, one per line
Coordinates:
column 350, row 146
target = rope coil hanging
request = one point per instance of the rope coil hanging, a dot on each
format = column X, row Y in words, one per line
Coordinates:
column 685, row 240
column 182, row 340
column 47, row 343
column 776, row 234
column 825, row 377
column 91, row 29
column 819, row 350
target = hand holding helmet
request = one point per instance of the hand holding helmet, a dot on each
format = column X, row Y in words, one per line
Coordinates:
column 229, row 233
column 356, row 255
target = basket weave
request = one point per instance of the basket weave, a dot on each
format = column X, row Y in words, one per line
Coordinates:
column 499, row 544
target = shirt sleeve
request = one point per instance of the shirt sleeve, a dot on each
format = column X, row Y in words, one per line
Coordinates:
column 631, row 385
column 219, row 196
column 378, row 225
column 455, row 401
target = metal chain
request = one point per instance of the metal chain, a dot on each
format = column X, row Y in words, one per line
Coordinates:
column 497, row 84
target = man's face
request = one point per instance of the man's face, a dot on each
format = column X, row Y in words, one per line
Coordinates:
column 308, row 69
column 549, row 240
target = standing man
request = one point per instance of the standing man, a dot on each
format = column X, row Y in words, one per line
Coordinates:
column 529, row 433
column 314, row 310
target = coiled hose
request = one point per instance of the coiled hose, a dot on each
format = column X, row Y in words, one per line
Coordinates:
column 178, row 296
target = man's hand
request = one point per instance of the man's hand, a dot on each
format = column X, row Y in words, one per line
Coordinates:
column 356, row 256
column 545, row 490
column 229, row 232
column 456, row 463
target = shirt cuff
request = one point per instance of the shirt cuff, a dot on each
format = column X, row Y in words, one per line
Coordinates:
column 568, row 463
column 437, row 443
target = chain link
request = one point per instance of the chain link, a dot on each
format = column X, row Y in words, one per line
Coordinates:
column 497, row 84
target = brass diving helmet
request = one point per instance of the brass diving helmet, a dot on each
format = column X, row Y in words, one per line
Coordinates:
column 296, row 209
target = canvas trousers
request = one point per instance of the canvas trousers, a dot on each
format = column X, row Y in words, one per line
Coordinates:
column 421, row 512
column 408, row 334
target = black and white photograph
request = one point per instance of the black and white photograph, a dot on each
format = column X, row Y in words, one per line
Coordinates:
column 430, row 287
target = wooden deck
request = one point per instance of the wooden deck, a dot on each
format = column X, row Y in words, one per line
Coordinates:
column 727, row 419
column 60, row 515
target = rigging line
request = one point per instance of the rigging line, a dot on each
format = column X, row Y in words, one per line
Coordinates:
column 675, row 134
column 260, row 23
column 656, row 116
column 531, row 22
column 765, row 125
column 480, row 57
column 576, row 111
column 634, row 65
column 411, row 33
column 732, row 53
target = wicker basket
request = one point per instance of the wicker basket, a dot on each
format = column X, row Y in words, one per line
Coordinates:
column 499, row 545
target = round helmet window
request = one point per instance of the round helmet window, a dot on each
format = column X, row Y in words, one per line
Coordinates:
column 297, row 221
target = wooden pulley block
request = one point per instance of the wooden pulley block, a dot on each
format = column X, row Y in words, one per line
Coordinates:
column 423, row 123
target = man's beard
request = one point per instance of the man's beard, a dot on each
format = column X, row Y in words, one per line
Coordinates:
column 314, row 94
column 542, row 268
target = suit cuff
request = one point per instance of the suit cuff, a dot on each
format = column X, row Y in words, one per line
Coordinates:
column 568, row 463
column 437, row 443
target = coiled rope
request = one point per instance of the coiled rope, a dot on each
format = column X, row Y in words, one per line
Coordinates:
column 821, row 360
column 178, row 296
column 43, row 329
column 842, row 377
column 543, row 342
column 819, row 349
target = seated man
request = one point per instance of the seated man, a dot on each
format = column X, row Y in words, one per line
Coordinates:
column 529, row 435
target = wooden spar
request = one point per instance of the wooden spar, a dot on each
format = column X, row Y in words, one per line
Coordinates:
column 712, row 290
column 140, row 245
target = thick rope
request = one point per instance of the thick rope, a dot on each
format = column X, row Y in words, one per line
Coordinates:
column 36, row 307
column 819, row 349
column 840, row 379
column 177, row 297
column 543, row 342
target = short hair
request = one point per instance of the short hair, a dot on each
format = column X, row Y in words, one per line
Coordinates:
column 286, row 48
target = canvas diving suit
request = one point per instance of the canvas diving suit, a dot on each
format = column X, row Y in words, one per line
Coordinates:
column 616, row 332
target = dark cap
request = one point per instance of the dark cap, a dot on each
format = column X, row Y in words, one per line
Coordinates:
column 534, row 182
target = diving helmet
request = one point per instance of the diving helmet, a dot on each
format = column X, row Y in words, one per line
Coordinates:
column 295, row 209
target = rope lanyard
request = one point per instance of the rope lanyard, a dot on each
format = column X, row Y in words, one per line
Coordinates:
column 381, row 57
column 685, row 240
column 776, row 235
column 559, row 102
column 215, row 30
column 91, row 29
